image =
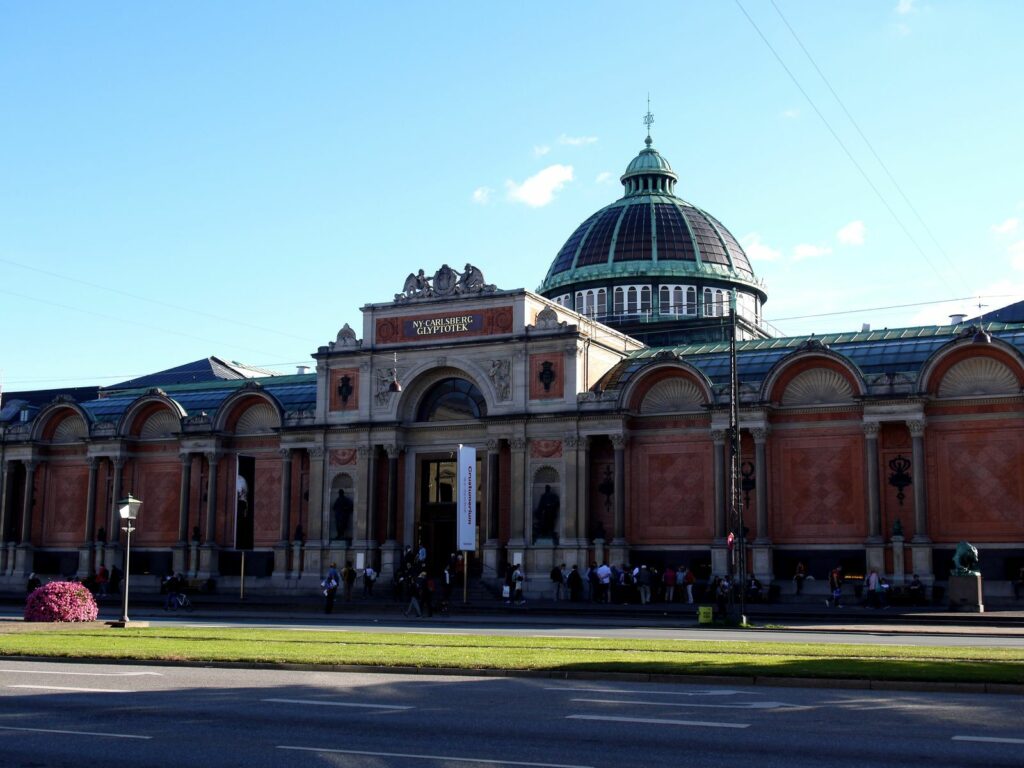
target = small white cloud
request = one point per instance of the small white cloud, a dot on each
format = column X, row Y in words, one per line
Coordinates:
column 758, row 251
column 791, row 114
column 540, row 189
column 1017, row 255
column 808, row 251
column 851, row 234
column 482, row 195
column 904, row 7
column 540, row 150
column 1012, row 224
column 576, row 141
column 903, row 30
column 604, row 177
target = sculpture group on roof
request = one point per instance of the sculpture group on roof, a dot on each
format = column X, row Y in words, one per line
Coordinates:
column 445, row 282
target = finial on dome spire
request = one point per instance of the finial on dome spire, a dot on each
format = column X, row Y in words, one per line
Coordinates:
column 648, row 120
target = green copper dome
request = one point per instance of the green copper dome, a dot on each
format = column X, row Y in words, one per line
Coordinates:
column 649, row 231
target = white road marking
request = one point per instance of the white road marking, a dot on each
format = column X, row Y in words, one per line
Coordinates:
column 81, row 674
column 989, row 739
column 449, row 758
column 737, row 705
column 656, row 721
column 723, row 692
column 75, row 733
column 322, row 703
column 69, row 688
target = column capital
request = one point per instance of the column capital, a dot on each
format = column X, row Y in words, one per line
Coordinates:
column 916, row 427
column 316, row 452
column 572, row 442
column 185, row 458
column 94, row 463
column 364, row 452
column 493, row 445
column 718, row 436
column 31, row 464
column 518, row 443
column 118, row 462
column 871, row 429
column 285, row 454
column 618, row 441
column 393, row 450
column 213, row 457
column 760, row 434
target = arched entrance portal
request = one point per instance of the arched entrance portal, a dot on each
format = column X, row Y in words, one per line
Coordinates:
column 450, row 399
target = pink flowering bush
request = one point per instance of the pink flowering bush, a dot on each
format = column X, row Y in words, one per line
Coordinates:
column 61, row 601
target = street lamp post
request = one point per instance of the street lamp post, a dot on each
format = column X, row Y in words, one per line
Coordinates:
column 129, row 510
column 735, row 499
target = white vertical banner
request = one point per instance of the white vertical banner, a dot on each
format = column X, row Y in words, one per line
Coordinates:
column 467, row 499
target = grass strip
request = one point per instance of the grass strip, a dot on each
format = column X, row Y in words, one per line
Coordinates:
column 772, row 659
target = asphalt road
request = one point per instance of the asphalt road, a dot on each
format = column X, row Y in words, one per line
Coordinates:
column 58, row 714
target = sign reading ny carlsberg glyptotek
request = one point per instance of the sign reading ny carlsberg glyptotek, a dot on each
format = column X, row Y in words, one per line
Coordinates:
column 443, row 325
column 467, row 499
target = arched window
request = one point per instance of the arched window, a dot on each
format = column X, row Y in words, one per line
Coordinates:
column 677, row 300
column 579, row 302
column 590, row 304
column 691, row 301
column 602, row 301
column 645, row 300
column 719, row 304
column 452, row 400
column 709, row 303
column 631, row 301
column 664, row 299
column 620, row 304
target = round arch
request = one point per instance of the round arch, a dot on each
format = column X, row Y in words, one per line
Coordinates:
column 657, row 381
column 233, row 412
column 148, row 410
column 423, row 378
column 834, row 371
column 989, row 354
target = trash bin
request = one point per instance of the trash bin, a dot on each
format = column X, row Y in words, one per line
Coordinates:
column 705, row 614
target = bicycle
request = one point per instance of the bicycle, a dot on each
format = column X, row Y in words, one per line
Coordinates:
column 178, row 600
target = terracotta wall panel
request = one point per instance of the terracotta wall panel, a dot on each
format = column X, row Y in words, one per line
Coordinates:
column 672, row 491
column 158, row 484
column 63, row 504
column 818, row 488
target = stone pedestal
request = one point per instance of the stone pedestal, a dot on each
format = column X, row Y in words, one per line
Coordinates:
column 85, row 561
column 599, row 553
column 296, row 569
column 23, row 559
column 540, row 559
column 719, row 558
column 9, row 568
column 193, row 559
column 618, row 552
column 338, row 554
column 281, row 573
column 762, row 563
column 899, row 576
column 874, row 556
column 179, row 556
column 921, row 551
column 209, row 562
column 390, row 559
column 965, row 594
column 492, row 550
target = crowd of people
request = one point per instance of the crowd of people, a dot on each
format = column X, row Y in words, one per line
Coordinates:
column 604, row 583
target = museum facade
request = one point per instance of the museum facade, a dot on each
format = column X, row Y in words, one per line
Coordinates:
column 599, row 409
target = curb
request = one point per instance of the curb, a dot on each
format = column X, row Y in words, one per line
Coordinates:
column 915, row 686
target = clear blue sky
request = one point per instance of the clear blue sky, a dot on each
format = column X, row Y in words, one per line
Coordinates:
column 238, row 178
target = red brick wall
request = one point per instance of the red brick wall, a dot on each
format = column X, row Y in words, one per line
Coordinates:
column 671, row 490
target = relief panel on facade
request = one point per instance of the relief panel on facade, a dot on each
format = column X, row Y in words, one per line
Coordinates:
column 158, row 485
column 64, row 504
column 343, row 389
column 818, row 488
column 980, row 482
column 547, row 374
column 267, row 519
column 672, row 493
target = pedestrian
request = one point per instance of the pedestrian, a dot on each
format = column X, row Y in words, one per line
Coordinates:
column 348, row 578
column 835, row 585
column 1018, row 585
column 102, row 582
column 798, row 578
column 369, row 577
column 668, row 578
column 33, row 583
column 643, row 583
column 557, row 582
column 604, row 580
column 421, row 555
column 446, row 589
column 575, row 584
column 915, row 589
column 722, row 589
column 518, row 579
column 330, row 587
column 873, row 588
column 689, row 580
column 418, row 589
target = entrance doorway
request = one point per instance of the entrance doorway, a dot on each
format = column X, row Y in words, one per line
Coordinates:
column 438, row 510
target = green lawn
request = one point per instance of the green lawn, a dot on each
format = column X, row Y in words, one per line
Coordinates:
column 897, row 663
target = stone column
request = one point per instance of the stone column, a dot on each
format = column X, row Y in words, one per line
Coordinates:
column 5, row 494
column 285, row 521
column 618, row 549
column 391, row 551
column 24, row 559
column 371, row 499
column 492, row 520
column 517, row 533
column 583, row 522
column 315, row 538
column 899, row 576
column 921, row 543
column 568, row 532
column 762, row 546
column 208, row 565
column 719, row 552
column 86, row 562
column 179, row 553
column 112, row 555
column 875, row 544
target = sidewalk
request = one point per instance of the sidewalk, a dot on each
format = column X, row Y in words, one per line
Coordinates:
column 1001, row 619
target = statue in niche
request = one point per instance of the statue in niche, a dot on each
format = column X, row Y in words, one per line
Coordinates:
column 897, row 528
column 545, row 518
column 342, row 509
